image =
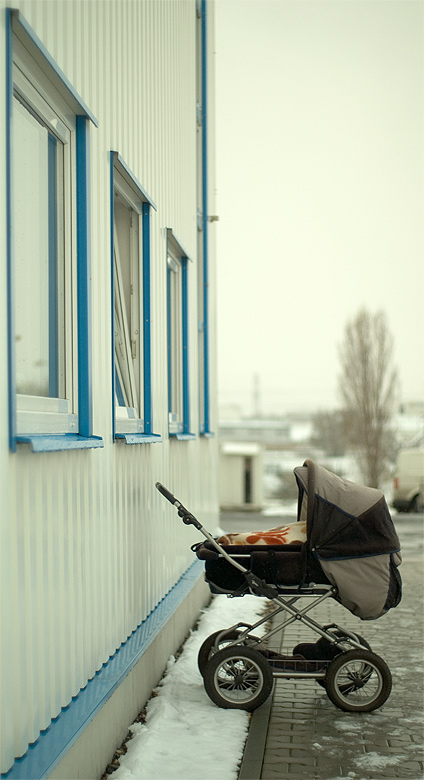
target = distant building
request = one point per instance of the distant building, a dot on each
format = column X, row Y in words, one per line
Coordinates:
column 269, row 433
column 256, row 449
column 240, row 476
column 107, row 356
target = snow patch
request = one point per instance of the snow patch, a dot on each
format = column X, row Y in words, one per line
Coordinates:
column 376, row 761
column 186, row 737
column 348, row 725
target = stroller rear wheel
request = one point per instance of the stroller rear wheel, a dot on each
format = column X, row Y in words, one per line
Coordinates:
column 207, row 649
column 238, row 678
column 358, row 681
column 358, row 638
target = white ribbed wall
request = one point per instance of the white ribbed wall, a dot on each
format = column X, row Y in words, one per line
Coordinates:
column 89, row 546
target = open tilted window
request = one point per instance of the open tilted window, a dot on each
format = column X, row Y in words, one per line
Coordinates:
column 130, row 206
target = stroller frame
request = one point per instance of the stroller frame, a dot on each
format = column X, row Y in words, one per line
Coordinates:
column 234, row 659
column 333, row 633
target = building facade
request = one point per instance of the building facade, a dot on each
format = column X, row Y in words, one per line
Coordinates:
column 107, row 350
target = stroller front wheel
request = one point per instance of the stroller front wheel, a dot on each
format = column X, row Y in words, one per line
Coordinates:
column 238, row 678
column 207, row 649
column 358, row 681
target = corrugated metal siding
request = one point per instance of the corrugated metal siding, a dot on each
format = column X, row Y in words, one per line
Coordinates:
column 90, row 547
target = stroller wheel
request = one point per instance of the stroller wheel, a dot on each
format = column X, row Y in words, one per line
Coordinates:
column 238, row 678
column 358, row 681
column 358, row 638
column 206, row 651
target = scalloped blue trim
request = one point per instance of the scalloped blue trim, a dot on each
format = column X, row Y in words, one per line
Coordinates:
column 53, row 743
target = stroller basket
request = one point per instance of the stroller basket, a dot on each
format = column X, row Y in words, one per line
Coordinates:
column 351, row 553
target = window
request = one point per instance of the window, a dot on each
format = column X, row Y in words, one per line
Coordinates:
column 48, row 249
column 178, row 347
column 130, row 207
column 40, row 162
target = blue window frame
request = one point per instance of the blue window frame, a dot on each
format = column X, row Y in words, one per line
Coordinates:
column 178, row 339
column 131, row 305
column 49, row 295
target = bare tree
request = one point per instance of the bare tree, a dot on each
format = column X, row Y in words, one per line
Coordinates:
column 328, row 432
column 368, row 389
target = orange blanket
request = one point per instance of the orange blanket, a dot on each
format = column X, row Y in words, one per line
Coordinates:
column 292, row 533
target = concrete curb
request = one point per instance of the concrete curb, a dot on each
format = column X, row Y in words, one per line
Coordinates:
column 251, row 766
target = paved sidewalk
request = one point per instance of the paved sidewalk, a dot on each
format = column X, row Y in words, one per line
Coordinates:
column 299, row 733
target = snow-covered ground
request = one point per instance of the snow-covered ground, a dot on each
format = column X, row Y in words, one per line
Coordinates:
column 185, row 736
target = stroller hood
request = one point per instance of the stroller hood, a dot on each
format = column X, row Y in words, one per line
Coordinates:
column 351, row 533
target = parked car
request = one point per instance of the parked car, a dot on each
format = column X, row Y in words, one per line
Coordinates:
column 408, row 493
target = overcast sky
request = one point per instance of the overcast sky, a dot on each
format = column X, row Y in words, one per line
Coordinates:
column 319, row 143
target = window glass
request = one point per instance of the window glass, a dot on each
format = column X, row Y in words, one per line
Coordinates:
column 175, row 347
column 38, row 218
column 127, row 280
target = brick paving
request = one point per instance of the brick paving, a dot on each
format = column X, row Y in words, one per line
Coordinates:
column 299, row 733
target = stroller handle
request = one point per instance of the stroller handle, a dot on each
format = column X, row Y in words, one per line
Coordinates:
column 185, row 515
column 189, row 519
column 167, row 493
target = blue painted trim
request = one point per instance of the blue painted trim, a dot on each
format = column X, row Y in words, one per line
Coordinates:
column 112, row 293
column 135, row 182
column 185, row 345
column 53, row 275
column 53, row 743
column 183, row 436
column 85, row 412
column 25, row 31
column 178, row 247
column 147, row 357
column 11, row 357
column 139, row 438
column 118, row 389
column 51, row 442
column 206, row 389
column 168, row 331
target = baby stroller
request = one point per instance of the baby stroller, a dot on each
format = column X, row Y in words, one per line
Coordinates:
column 351, row 554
